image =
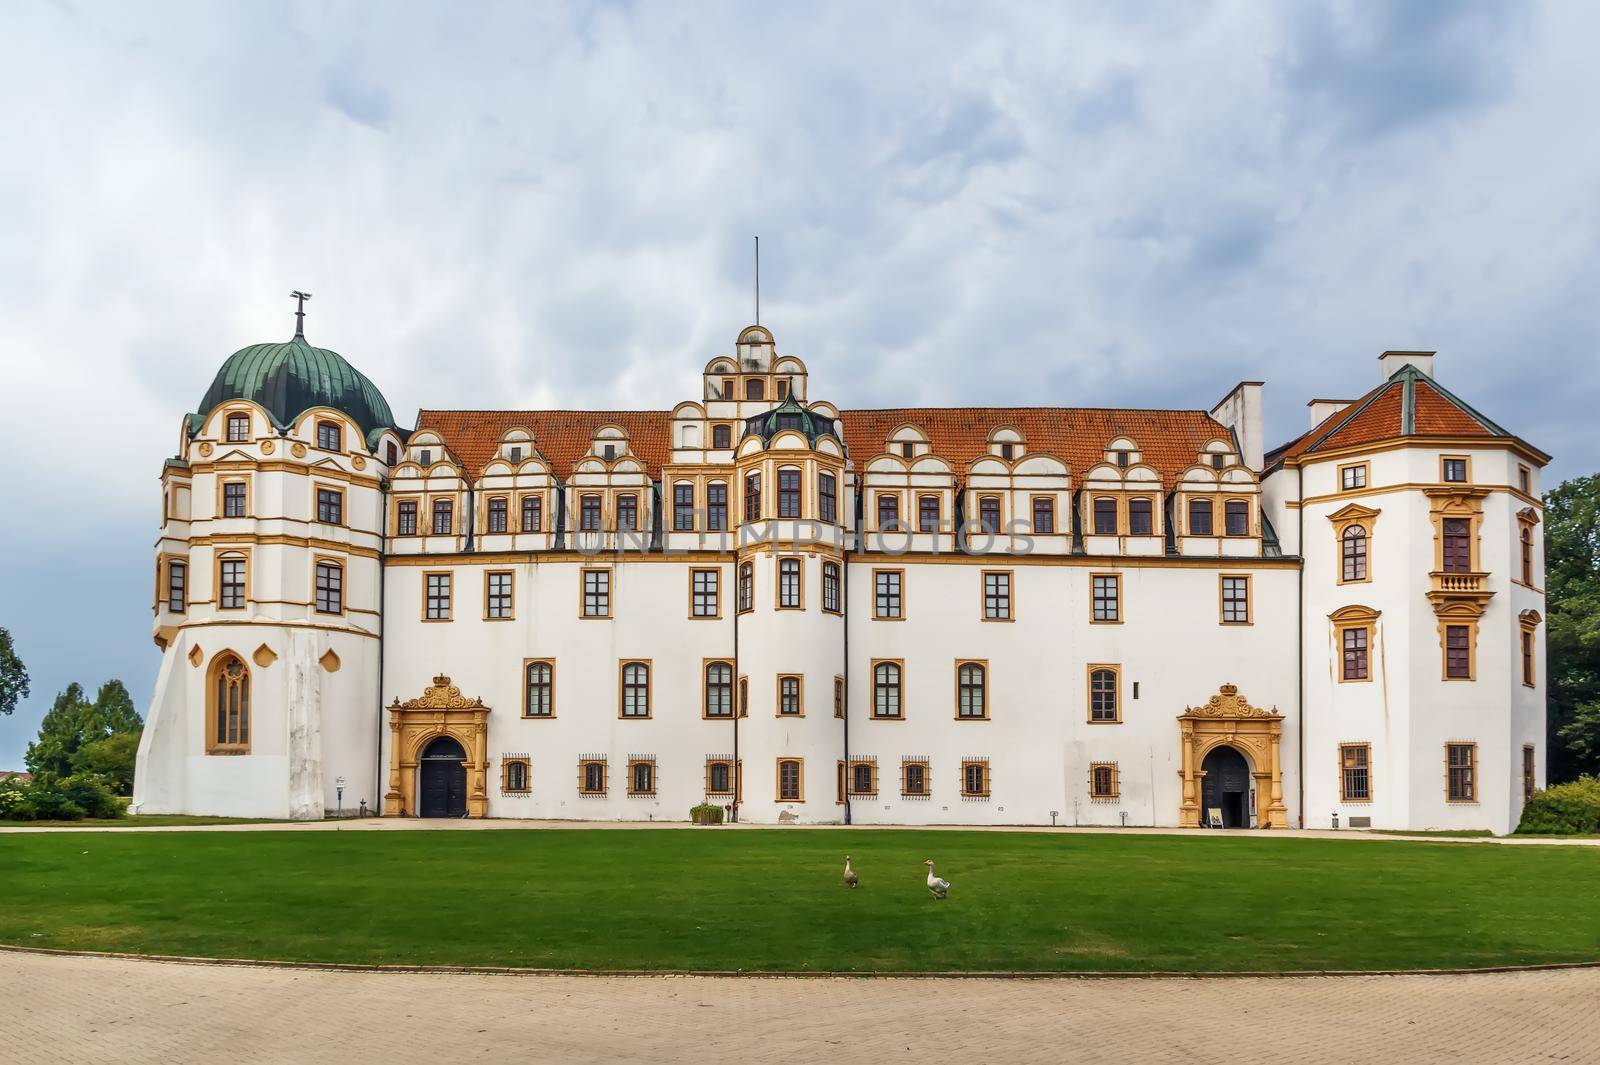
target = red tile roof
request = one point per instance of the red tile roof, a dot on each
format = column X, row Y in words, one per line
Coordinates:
column 562, row 436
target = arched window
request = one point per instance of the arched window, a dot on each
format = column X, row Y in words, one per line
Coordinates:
column 230, row 706
column 1199, row 517
column 1141, row 521
column 721, row 437
column 1236, row 512
column 330, row 437
column 539, row 699
column 1353, row 554
column 1526, row 540
column 788, row 492
column 238, row 428
column 789, row 780
column 746, row 586
column 231, row 582
column 972, row 690
column 1105, row 516
column 717, row 506
column 989, row 513
column 752, row 497
column 636, row 689
column 1103, row 695
column 789, row 584
column 516, row 776
column 888, row 511
column 886, row 690
column 1457, row 545
column 330, row 588
column 827, row 497
column 719, row 689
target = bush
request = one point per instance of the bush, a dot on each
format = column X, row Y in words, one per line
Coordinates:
column 51, row 798
column 1563, row 810
column 706, row 813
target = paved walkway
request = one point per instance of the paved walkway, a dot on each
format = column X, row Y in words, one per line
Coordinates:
column 76, row 1009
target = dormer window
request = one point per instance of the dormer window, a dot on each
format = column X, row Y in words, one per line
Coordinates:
column 1217, row 461
column 1122, row 458
column 609, row 451
column 238, row 428
column 329, row 436
column 516, row 454
column 390, row 453
column 427, row 457
column 755, row 389
column 1008, row 451
column 789, row 421
column 908, row 449
column 721, row 437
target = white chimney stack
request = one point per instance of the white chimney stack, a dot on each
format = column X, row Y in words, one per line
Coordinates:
column 1392, row 361
column 1240, row 410
column 1323, row 409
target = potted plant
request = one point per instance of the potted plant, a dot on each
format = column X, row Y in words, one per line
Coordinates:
column 706, row 814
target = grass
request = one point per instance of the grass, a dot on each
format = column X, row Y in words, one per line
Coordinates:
column 146, row 821
column 773, row 900
column 1442, row 833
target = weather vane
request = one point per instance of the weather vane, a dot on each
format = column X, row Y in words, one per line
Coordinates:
column 300, row 311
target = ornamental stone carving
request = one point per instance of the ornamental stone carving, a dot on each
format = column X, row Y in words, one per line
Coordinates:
column 440, row 695
column 1229, row 703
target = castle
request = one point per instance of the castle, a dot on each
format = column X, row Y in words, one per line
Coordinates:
column 756, row 599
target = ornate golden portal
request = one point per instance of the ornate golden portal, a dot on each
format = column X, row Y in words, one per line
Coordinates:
column 1227, row 718
column 441, row 711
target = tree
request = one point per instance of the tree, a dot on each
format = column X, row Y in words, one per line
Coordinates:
column 1572, row 597
column 73, row 723
column 111, row 758
column 13, row 675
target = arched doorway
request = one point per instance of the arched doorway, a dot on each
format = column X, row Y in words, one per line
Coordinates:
column 444, row 779
column 1226, row 786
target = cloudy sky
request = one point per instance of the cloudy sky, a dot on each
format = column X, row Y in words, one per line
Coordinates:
column 507, row 205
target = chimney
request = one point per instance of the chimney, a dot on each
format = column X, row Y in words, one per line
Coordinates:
column 1323, row 409
column 1240, row 410
column 1391, row 361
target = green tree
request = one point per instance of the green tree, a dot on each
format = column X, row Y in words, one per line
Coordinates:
column 13, row 675
column 73, row 723
column 111, row 758
column 1572, row 597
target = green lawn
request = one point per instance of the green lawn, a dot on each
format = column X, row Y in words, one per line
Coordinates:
column 768, row 900
column 147, row 821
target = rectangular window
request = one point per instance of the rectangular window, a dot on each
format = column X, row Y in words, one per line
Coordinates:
column 1352, row 477
column 788, row 493
column 887, row 678
column 789, row 584
column 747, row 579
column 1236, row 600
column 1461, row 776
column 972, row 690
column 752, row 497
column 1530, row 780
column 718, row 700
column 177, row 586
column 1524, row 480
column 330, row 588
column 887, row 600
column 425, row 458
column 1107, row 597
column 1044, row 514
column 1354, row 644
column 443, row 517
column 1103, row 783
column 1105, row 516
column 233, row 499
column 908, row 449
column 1105, row 697
column 1141, row 519
column 929, row 513
column 1355, row 772
column 238, row 428
column 830, row 587
column 1453, row 469
column 232, row 573
column 1236, row 515
column 863, row 777
column 330, row 506
column 437, row 603
column 838, row 697
column 1527, row 657
column 683, row 506
column 628, row 513
column 1456, row 546
column 717, row 506
column 789, row 696
column 596, row 593
column 329, row 437
column 589, row 513
column 634, row 682
column 405, row 518
column 499, row 519
column 539, row 688
column 975, row 778
column 996, row 595
column 704, row 593
column 888, row 511
column 592, row 777
column 642, row 776
column 515, row 780
column 989, row 514
column 497, row 595
column 914, row 779
column 1458, row 652
column 719, row 777
column 1199, row 517
column 791, row 780
column 532, row 514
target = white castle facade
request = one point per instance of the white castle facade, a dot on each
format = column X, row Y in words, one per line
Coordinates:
column 916, row 616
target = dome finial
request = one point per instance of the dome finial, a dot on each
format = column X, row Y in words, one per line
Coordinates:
column 300, row 312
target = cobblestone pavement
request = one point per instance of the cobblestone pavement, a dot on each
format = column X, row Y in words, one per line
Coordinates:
column 80, row 1009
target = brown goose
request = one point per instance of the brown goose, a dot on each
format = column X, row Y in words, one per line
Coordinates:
column 850, row 878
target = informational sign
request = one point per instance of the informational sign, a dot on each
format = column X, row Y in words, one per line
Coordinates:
column 1213, row 817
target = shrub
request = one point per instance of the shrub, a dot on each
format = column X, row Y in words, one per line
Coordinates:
column 11, row 794
column 52, row 798
column 706, row 813
column 91, row 793
column 1563, row 810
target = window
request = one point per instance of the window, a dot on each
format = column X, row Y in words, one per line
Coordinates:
column 989, row 513
column 592, row 776
column 231, row 573
column 532, row 514
column 975, row 779
column 703, row 593
column 516, row 776
column 1352, row 477
column 1105, row 704
column 539, row 689
column 914, row 779
column 641, row 776
column 390, row 453
column 744, row 696
column 718, row 699
column 789, row 584
column 628, row 513
column 755, row 389
column 1458, row 652
column 928, row 514
column 838, row 697
column 787, row 420
column 596, row 593
column 886, row 677
column 1218, row 461
column 425, row 458
column 830, row 587
column 789, row 701
column 719, row 777
column 908, row 449
column 717, row 506
column 1453, row 469
column 683, row 506
column 1525, row 545
column 443, row 517
column 238, row 428
column 1524, row 484
column 437, row 597
column 1353, row 555
column 888, row 511
column 1044, row 514
column 1105, row 516
column 589, row 513
column 1354, row 643
column 405, row 518
column 233, row 499
column 1236, row 515
column 1008, row 451
column 827, row 497
column 972, row 690
column 1355, row 772
column 1103, row 783
column 1530, row 780
column 1236, row 600
column 330, row 588
column 788, row 493
column 1527, row 657
column 887, row 601
column 1199, row 517
column 752, row 497
column 1457, row 545
column 497, row 595
column 498, row 519
column 1461, row 778
column 996, row 595
column 635, row 689
column 1106, row 591
column 863, row 778
column 330, row 506
column 230, row 706
column 516, row 454
column 1141, row 521
column 609, row 452
column 177, row 586
column 329, row 436
column 1123, row 458
column 721, row 437
column 727, row 388
column 791, row 780
column 746, row 586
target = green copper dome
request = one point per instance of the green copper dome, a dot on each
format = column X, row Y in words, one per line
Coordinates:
column 289, row 379
column 789, row 415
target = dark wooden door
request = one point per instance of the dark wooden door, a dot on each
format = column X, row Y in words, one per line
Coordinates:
column 444, row 780
column 1227, row 786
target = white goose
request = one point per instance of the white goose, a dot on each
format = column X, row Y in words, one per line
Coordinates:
column 850, row 878
column 938, row 885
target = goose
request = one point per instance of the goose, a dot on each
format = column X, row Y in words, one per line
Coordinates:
column 938, row 885
column 850, row 878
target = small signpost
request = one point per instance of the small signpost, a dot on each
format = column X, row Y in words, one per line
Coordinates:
column 1213, row 817
column 338, row 785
